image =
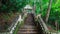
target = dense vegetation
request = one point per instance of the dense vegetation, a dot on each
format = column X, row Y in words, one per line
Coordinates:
column 50, row 9
column 8, row 12
column 11, row 5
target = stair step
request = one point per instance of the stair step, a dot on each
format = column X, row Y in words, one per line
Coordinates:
column 28, row 26
column 27, row 32
column 28, row 29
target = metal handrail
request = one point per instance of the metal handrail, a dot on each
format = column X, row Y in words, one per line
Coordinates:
column 42, row 23
column 13, row 23
column 44, row 26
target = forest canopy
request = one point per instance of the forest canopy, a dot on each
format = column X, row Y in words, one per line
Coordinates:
column 44, row 7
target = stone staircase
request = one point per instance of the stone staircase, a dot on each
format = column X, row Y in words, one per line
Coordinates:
column 29, row 27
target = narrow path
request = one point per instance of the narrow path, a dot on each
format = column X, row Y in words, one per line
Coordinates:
column 28, row 27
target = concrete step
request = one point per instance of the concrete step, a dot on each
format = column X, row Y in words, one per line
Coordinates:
column 28, row 29
column 27, row 32
column 28, row 26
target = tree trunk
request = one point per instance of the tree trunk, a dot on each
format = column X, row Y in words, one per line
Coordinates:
column 41, row 6
column 48, row 10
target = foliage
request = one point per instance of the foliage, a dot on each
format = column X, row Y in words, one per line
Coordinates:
column 18, row 26
column 12, row 5
column 54, row 12
column 17, row 5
